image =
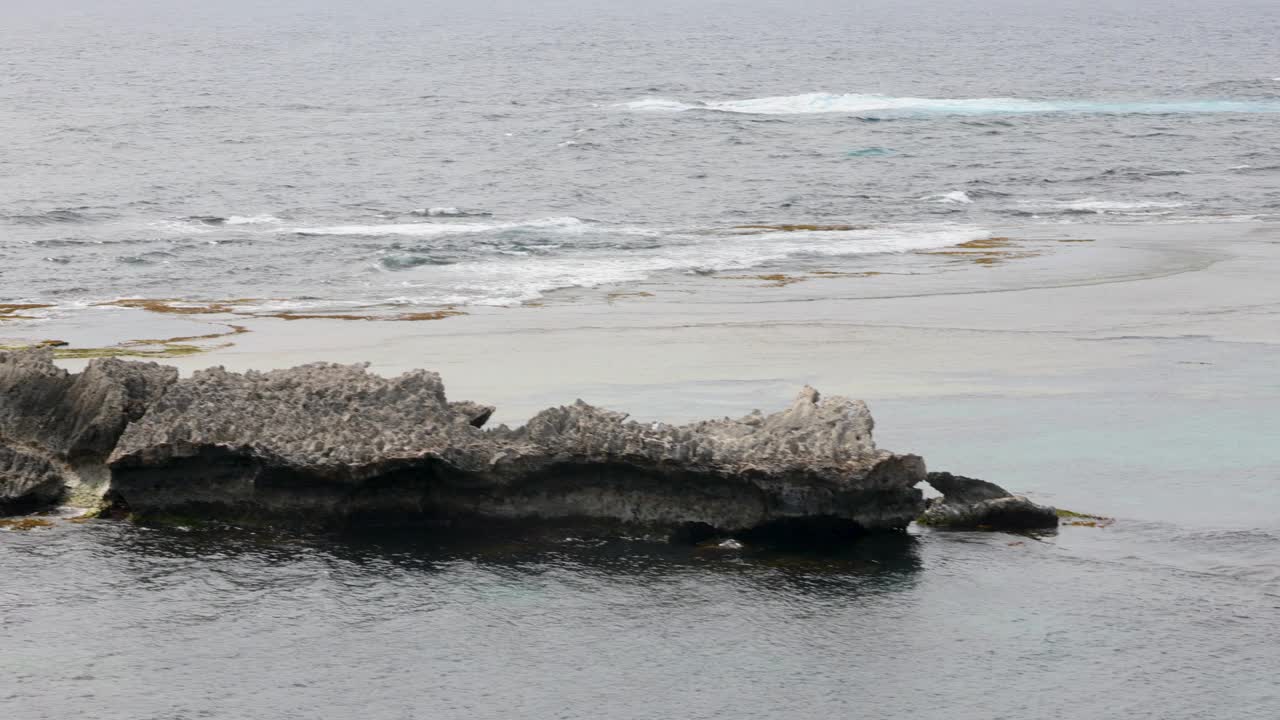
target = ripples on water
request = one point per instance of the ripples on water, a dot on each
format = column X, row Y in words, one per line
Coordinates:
column 136, row 622
column 297, row 151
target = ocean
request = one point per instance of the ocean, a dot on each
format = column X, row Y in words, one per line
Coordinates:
column 506, row 159
column 318, row 155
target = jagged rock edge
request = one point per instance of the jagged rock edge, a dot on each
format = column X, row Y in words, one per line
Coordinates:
column 548, row 468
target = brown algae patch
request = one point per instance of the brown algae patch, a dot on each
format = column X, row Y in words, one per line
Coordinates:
column 615, row 296
column 234, row 330
column 169, row 351
column 1070, row 517
column 834, row 273
column 985, row 251
column 402, row 317
column 782, row 279
column 180, row 307
column 123, row 350
column 236, row 307
column 986, row 243
column 774, row 279
column 24, row 523
column 156, row 348
column 11, row 311
column 799, row 228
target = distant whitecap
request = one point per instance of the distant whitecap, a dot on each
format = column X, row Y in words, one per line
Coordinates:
column 426, row 229
column 1117, row 206
column 955, row 197
column 873, row 104
column 449, row 212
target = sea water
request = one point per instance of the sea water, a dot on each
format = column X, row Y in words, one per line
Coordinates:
column 316, row 154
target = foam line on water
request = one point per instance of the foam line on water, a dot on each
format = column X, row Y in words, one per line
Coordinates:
column 873, row 104
column 1096, row 205
column 432, row 229
column 518, row 279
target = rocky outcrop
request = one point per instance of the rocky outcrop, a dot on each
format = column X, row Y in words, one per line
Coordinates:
column 335, row 446
column 57, row 428
column 28, row 480
column 330, row 444
column 969, row 503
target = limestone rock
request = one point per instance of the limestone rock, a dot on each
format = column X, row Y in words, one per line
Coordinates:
column 970, row 503
column 961, row 490
column 57, row 428
column 334, row 444
column 28, row 481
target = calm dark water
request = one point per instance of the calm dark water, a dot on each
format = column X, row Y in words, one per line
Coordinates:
column 122, row 622
column 1170, row 613
column 293, row 152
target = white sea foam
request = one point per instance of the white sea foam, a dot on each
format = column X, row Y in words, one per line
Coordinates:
column 449, row 211
column 955, row 197
column 660, row 105
column 1115, row 206
column 872, row 104
column 209, row 223
column 253, row 220
column 511, row 280
column 427, row 229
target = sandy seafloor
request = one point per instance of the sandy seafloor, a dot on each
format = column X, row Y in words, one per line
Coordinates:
column 1133, row 375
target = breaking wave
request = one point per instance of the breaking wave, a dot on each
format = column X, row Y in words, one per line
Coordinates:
column 449, row 212
column 871, row 104
column 955, row 197
column 433, row 229
column 236, row 220
column 514, row 278
column 1093, row 205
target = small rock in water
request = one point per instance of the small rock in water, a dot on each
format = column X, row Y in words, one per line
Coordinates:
column 969, row 503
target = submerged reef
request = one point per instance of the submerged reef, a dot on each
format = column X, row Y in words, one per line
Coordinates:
column 334, row 446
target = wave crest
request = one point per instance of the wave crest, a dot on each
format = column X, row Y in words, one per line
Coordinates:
column 518, row 278
column 433, row 229
column 874, row 104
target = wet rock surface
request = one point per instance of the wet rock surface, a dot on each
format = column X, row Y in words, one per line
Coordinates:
column 57, row 428
column 335, row 446
column 28, row 481
column 969, row 503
